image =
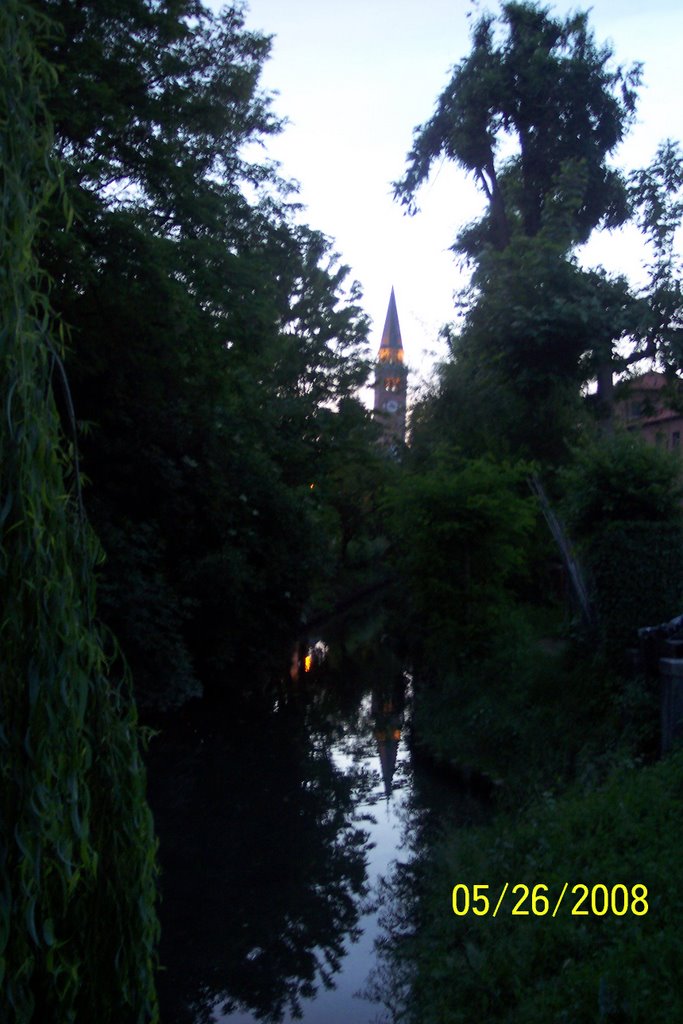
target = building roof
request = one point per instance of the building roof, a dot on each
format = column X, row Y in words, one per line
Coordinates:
column 642, row 402
column 650, row 381
column 391, row 335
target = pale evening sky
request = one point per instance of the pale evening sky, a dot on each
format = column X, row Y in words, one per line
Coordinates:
column 355, row 77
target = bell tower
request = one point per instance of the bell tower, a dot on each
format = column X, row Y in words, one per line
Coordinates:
column 391, row 380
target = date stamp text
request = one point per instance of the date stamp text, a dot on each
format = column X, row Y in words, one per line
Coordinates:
column 522, row 900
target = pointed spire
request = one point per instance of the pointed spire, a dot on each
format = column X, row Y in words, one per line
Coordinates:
column 391, row 344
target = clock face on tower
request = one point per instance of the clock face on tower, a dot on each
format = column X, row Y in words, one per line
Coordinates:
column 392, row 406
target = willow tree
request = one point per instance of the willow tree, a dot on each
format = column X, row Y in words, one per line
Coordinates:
column 77, row 849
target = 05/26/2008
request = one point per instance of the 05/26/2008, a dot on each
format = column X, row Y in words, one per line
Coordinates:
column 537, row 901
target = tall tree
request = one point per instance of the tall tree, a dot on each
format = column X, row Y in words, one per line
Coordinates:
column 211, row 334
column 535, row 112
column 77, row 849
column 542, row 86
column 657, row 194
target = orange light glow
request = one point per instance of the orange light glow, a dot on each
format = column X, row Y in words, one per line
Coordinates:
column 390, row 355
column 308, row 662
column 396, row 734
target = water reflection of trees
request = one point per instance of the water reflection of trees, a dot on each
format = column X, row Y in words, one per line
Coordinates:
column 362, row 701
column 434, row 803
column 263, row 868
column 262, row 841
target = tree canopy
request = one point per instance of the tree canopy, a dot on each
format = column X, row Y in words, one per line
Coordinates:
column 533, row 113
column 536, row 112
column 212, row 337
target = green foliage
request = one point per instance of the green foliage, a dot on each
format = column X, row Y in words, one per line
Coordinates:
column 77, row 848
column 535, row 112
column 544, row 83
column 521, row 714
column 623, row 505
column 535, row 328
column 620, row 478
column 657, row 194
column 637, row 571
column 535, row 969
column 470, row 406
column 214, row 341
column 459, row 531
column 352, row 471
column 522, row 351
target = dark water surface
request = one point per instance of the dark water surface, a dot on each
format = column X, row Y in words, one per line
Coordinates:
column 274, row 831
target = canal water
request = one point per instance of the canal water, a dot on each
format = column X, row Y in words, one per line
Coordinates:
column 275, row 831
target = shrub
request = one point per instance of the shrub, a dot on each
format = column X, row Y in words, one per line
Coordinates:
column 623, row 506
column 460, row 533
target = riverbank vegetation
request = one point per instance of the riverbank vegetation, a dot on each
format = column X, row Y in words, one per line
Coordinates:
column 78, row 925
column 524, row 638
column 210, row 436
column 588, row 962
column 515, row 680
column 214, row 347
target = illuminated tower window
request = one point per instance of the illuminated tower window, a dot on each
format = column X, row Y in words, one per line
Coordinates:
column 391, row 380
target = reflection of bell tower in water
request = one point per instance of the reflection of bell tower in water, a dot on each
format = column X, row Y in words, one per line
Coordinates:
column 391, row 380
column 387, row 710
